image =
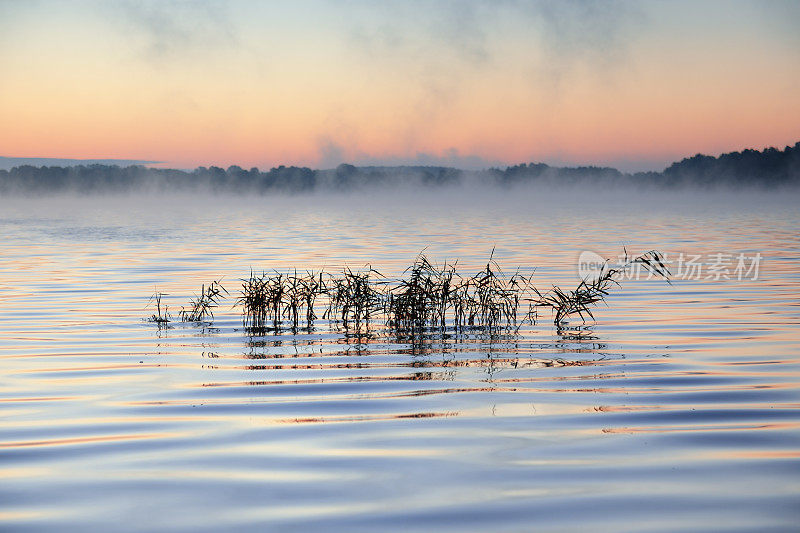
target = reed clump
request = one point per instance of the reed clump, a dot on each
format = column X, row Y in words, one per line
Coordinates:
column 591, row 291
column 423, row 300
column 269, row 298
column 202, row 306
column 426, row 298
column 492, row 300
column 261, row 301
column 301, row 293
column 433, row 296
column 355, row 297
column 161, row 317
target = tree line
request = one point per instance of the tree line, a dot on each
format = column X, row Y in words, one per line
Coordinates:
column 769, row 168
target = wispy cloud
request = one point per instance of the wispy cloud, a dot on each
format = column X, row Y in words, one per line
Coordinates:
column 596, row 33
column 443, row 47
column 169, row 30
column 465, row 32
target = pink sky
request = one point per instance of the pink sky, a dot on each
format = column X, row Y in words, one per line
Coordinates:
column 632, row 85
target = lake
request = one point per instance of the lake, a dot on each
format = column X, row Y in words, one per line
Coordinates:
column 677, row 409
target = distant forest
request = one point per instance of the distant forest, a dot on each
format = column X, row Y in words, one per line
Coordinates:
column 767, row 169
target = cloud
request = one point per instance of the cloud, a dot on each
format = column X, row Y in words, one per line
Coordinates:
column 466, row 31
column 598, row 33
column 167, row 30
column 456, row 30
column 442, row 49
column 430, row 46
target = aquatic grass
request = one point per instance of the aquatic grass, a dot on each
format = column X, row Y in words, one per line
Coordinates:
column 591, row 291
column 161, row 317
column 267, row 299
column 490, row 300
column 312, row 287
column 433, row 295
column 261, row 301
column 426, row 299
column 423, row 300
column 301, row 293
column 202, row 306
column 355, row 297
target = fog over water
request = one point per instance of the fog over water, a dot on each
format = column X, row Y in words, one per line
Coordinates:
column 748, row 170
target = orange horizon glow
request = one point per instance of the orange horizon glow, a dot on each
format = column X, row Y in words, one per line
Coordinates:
column 317, row 93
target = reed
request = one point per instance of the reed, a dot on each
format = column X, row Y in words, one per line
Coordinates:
column 590, row 292
column 423, row 300
column 355, row 297
column 301, row 293
column 161, row 317
column 433, row 295
column 269, row 299
column 427, row 298
column 202, row 306
column 491, row 300
column 261, row 301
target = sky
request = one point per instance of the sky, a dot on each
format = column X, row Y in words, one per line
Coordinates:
column 468, row 83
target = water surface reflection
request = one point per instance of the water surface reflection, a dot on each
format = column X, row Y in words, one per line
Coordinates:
column 677, row 410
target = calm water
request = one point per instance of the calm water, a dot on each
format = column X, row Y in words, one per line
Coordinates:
column 679, row 411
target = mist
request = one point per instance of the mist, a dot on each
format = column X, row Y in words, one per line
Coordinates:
column 748, row 170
